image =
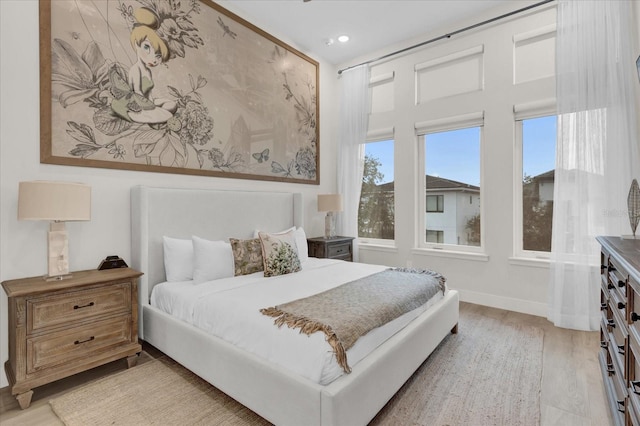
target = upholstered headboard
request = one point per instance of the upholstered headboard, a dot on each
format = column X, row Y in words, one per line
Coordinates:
column 210, row 214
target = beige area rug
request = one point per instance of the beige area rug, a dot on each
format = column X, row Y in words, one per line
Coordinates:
column 488, row 374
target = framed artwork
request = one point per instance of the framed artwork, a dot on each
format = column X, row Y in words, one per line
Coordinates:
column 175, row 86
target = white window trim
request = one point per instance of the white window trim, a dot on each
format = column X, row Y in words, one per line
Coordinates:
column 542, row 108
column 459, row 122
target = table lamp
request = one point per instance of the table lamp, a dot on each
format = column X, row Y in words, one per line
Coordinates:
column 57, row 202
column 329, row 203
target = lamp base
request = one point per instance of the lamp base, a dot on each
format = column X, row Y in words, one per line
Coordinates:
column 58, row 247
column 329, row 226
column 49, row 278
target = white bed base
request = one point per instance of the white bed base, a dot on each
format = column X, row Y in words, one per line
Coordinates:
column 274, row 393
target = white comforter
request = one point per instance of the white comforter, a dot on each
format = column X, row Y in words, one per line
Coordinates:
column 230, row 309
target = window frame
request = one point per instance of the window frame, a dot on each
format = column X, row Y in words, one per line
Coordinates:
column 544, row 108
column 422, row 129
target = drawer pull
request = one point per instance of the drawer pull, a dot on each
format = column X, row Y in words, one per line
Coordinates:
column 635, row 385
column 611, row 323
column 602, row 268
column 621, row 283
column 634, row 317
column 621, row 305
column 603, row 306
column 612, row 268
column 610, row 286
column 78, row 342
column 621, row 406
column 610, row 369
column 621, row 349
column 84, row 306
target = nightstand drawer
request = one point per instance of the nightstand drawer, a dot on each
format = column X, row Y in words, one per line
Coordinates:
column 339, row 250
column 51, row 311
column 82, row 342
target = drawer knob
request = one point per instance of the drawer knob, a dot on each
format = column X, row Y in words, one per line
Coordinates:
column 603, row 306
column 84, row 306
column 634, row 317
column 78, row 342
column 621, row 283
column 611, row 323
column 610, row 369
column 621, row 406
column 635, row 384
column 621, row 305
column 610, row 286
column 612, row 268
column 621, row 349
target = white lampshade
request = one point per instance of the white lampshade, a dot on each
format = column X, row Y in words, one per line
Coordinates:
column 329, row 202
column 57, row 201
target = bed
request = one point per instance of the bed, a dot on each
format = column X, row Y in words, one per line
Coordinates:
column 276, row 393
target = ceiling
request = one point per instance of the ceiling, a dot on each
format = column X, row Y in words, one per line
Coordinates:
column 370, row 24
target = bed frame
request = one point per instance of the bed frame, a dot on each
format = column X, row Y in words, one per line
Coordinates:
column 276, row 394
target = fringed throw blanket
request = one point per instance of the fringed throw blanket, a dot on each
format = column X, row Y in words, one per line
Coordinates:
column 346, row 312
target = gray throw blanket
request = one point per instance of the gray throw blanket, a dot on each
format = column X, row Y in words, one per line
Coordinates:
column 346, row 312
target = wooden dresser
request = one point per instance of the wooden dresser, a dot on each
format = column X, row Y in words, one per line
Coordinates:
column 331, row 248
column 60, row 328
column 620, row 327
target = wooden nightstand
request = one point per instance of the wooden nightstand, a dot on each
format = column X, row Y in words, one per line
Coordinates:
column 60, row 328
column 331, row 248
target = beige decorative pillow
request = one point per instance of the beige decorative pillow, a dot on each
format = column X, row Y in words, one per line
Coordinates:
column 279, row 253
column 247, row 256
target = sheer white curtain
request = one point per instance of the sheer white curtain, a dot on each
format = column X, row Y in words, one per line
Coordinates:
column 354, row 120
column 597, row 151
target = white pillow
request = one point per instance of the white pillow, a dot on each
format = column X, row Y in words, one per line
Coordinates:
column 212, row 260
column 300, row 238
column 301, row 241
column 178, row 259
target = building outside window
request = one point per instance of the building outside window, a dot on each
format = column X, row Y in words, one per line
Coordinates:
column 452, row 187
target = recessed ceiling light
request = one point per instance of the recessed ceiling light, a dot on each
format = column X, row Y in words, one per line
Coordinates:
column 343, row 38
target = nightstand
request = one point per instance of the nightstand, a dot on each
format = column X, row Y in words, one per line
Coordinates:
column 331, row 248
column 60, row 328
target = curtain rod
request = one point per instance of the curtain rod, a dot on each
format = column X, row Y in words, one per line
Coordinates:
column 447, row 35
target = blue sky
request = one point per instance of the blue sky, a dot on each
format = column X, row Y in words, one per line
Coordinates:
column 455, row 155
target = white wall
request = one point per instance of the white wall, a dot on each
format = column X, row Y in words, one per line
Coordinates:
column 23, row 244
column 486, row 83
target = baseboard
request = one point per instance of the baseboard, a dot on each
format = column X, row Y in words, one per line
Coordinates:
column 507, row 303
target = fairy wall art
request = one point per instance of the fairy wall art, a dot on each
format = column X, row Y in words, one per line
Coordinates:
column 174, row 86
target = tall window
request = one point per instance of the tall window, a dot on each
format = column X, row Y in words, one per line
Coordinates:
column 452, row 187
column 376, row 214
column 538, row 172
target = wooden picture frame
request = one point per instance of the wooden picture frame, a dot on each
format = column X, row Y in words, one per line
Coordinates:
column 175, row 87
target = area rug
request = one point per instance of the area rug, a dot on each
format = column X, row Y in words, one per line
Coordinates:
column 487, row 374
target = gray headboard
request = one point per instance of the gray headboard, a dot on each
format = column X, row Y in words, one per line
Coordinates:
column 210, row 214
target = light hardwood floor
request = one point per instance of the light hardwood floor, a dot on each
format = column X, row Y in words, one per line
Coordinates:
column 572, row 390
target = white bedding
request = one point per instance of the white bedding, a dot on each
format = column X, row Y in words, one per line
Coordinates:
column 229, row 308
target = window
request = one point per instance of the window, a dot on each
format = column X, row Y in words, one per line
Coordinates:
column 376, row 213
column 435, row 236
column 452, row 187
column 538, row 144
column 435, row 203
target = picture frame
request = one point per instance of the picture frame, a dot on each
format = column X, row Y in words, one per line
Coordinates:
column 174, row 87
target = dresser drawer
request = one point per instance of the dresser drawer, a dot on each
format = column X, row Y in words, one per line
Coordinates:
column 63, row 309
column 339, row 250
column 79, row 342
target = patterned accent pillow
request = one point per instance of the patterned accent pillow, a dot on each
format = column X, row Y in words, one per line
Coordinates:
column 247, row 256
column 280, row 253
